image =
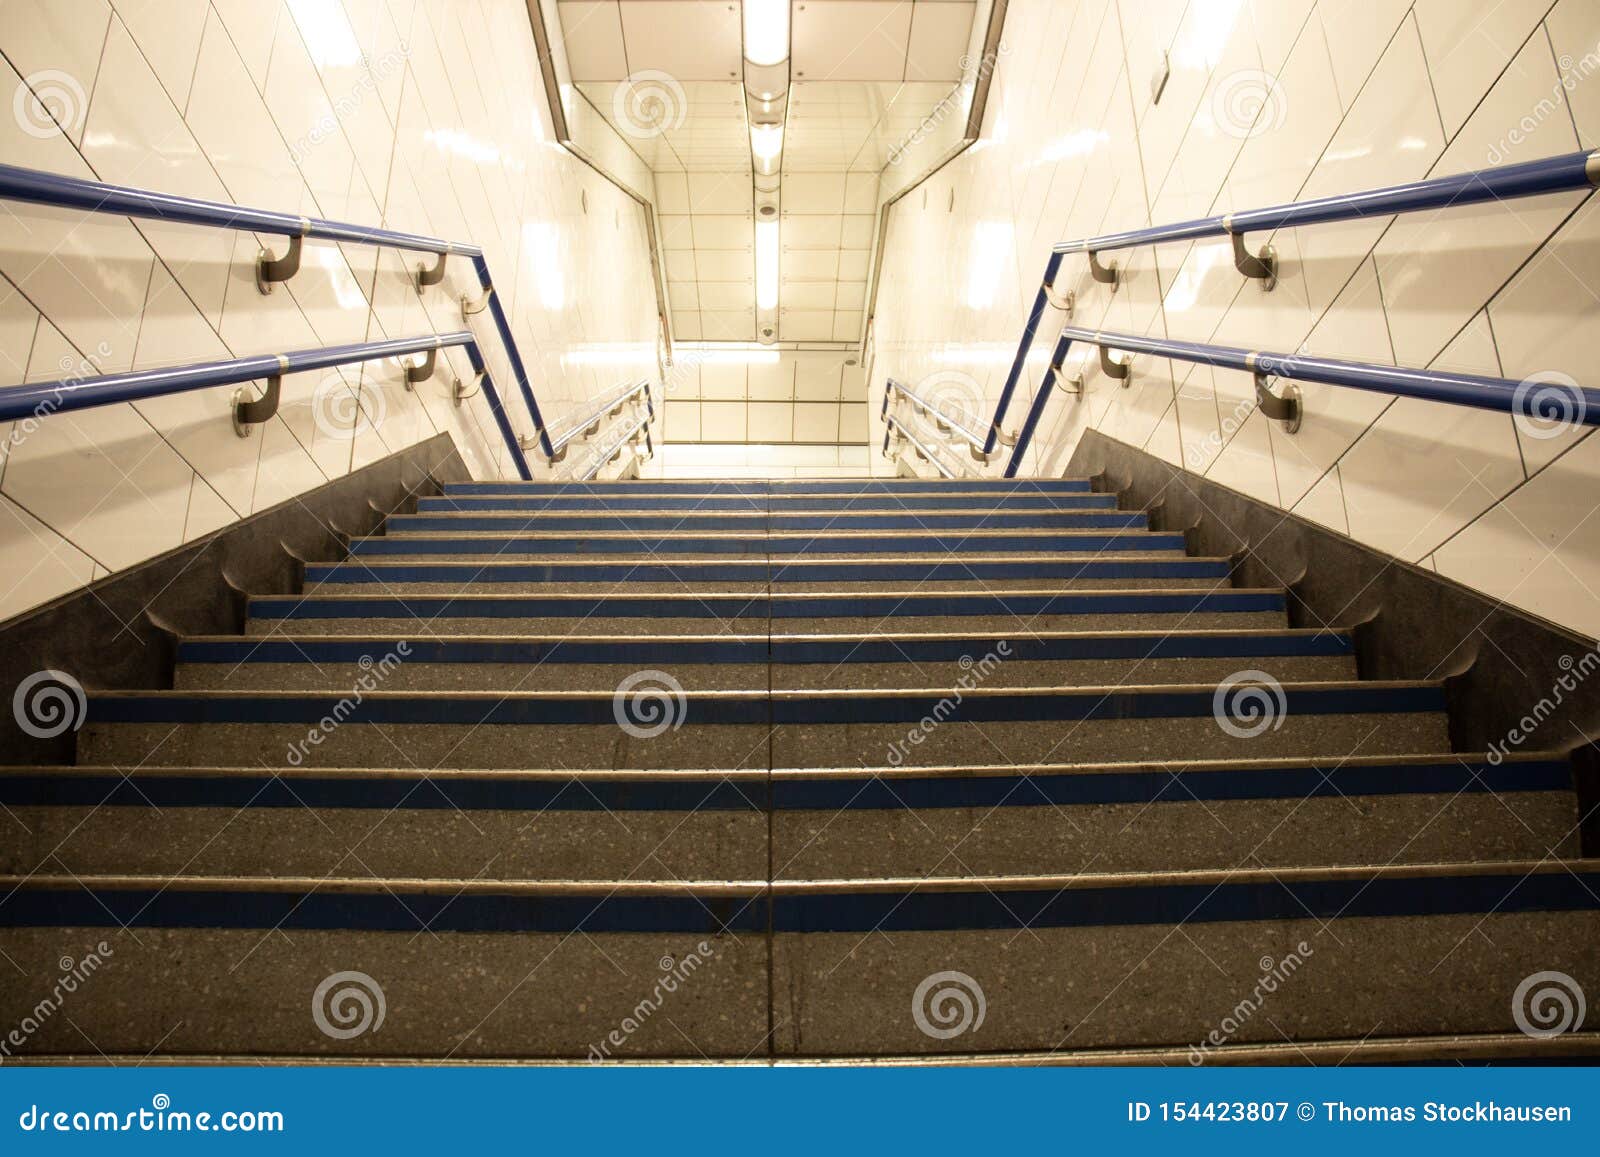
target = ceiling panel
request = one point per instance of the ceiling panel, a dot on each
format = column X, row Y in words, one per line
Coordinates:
column 939, row 35
column 866, row 75
column 850, row 39
column 687, row 39
column 591, row 32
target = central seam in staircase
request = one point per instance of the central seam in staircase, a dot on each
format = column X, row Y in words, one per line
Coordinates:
column 833, row 768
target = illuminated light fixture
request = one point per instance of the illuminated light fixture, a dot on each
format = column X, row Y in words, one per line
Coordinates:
column 766, row 142
column 766, row 31
column 766, row 265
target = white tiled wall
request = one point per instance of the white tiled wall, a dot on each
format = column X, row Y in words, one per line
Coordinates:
column 1267, row 101
column 420, row 115
column 765, row 396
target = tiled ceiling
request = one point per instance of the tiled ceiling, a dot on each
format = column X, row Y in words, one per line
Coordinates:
column 864, row 75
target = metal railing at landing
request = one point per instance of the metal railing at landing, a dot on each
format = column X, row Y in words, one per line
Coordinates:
column 1536, row 399
column 52, row 189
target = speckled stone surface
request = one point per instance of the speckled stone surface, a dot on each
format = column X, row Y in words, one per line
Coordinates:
column 757, row 625
column 417, row 675
column 1048, row 839
column 487, row 585
column 1066, row 673
column 404, row 842
column 1063, row 988
column 1099, row 740
column 554, row 745
column 445, row 994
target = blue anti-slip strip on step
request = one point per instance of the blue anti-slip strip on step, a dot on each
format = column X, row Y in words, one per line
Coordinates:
column 1291, row 899
column 491, row 708
column 500, row 791
column 924, row 909
column 390, row 911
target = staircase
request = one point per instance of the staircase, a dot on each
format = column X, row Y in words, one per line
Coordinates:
column 768, row 771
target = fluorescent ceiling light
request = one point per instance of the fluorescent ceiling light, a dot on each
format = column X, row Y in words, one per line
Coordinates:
column 766, row 142
column 766, row 31
column 766, row 265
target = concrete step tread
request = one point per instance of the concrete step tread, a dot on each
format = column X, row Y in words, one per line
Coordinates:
column 764, row 695
column 825, row 790
column 738, row 889
column 575, row 638
column 780, row 598
column 781, row 536
column 761, row 775
column 1369, row 1050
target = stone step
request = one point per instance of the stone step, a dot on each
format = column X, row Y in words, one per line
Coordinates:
column 863, row 967
column 773, row 503
column 710, row 545
column 417, row 661
column 649, row 723
column 779, row 487
column 655, row 523
column 823, row 823
column 677, row 612
column 969, row 573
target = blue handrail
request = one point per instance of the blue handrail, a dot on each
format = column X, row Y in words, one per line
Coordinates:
column 1580, row 170
column 1533, row 398
column 44, row 398
column 40, row 188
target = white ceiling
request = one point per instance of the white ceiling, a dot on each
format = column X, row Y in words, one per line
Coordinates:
column 864, row 75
